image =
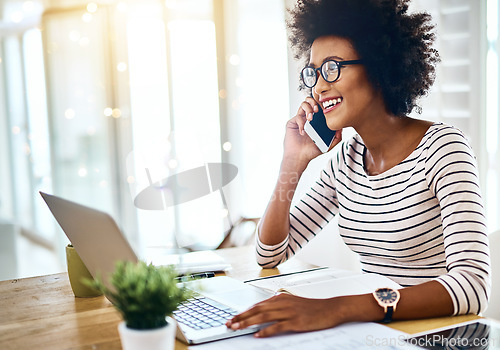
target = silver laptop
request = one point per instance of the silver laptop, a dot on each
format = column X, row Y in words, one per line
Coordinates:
column 100, row 243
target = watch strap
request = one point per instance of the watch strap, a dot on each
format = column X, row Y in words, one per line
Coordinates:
column 388, row 315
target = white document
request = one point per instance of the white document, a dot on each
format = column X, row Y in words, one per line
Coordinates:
column 193, row 262
column 350, row 285
column 359, row 336
column 275, row 283
column 326, row 283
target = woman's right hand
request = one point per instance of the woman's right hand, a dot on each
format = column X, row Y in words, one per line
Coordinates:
column 298, row 145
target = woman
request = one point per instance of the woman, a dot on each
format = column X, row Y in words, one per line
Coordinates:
column 405, row 190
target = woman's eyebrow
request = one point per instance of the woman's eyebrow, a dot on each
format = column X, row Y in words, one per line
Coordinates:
column 336, row 58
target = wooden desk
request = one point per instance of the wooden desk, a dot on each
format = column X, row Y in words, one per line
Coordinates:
column 42, row 312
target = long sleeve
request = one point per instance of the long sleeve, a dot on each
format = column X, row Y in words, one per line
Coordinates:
column 452, row 177
column 307, row 217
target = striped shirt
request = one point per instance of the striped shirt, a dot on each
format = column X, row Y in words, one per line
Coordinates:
column 421, row 220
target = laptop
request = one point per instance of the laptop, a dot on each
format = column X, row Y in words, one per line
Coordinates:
column 100, row 243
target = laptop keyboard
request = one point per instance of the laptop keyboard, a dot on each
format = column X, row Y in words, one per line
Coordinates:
column 201, row 313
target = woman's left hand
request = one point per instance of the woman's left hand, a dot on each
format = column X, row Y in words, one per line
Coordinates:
column 289, row 313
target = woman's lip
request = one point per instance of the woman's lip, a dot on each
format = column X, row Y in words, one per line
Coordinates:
column 334, row 102
column 331, row 108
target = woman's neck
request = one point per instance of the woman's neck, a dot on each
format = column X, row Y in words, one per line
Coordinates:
column 389, row 140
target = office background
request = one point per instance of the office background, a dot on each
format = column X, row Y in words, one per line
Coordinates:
column 98, row 100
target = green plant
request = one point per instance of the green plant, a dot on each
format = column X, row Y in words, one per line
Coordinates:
column 144, row 294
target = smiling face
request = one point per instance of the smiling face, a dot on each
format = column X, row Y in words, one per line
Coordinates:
column 351, row 100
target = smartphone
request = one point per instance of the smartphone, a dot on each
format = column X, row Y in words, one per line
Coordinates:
column 319, row 132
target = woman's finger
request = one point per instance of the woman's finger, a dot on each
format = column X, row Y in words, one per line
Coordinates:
column 275, row 328
column 261, row 318
column 272, row 309
column 307, row 108
column 312, row 102
column 264, row 306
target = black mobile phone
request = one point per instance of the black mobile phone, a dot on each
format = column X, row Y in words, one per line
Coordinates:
column 319, row 132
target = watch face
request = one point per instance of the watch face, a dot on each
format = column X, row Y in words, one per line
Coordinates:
column 387, row 295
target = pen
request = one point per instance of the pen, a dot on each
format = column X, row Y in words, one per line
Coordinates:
column 286, row 274
column 195, row 276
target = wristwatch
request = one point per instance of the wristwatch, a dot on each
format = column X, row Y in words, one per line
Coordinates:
column 387, row 298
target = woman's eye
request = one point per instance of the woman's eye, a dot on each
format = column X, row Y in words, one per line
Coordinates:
column 331, row 67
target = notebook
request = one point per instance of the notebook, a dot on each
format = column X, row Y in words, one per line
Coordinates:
column 100, row 243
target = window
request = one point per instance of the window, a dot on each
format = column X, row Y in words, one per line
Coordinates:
column 169, row 86
column 465, row 93
column 125, row 94
column 492, row 116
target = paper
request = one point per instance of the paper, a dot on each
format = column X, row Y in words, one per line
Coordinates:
column 193, row 262
column 350, row 285
column 359, row 336
column 283, row 281
column 326, row 283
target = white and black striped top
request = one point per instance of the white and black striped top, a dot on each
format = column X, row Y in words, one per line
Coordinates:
column 421, row 220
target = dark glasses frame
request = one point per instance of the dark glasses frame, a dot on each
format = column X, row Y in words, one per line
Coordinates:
column 339, row 64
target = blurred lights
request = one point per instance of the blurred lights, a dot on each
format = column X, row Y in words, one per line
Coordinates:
column 16, row 130
column 92, row 7
column 69, row 113
column 112, row 112
column 116, row 113
column 227, row 146
column 29, row 9
column 122, row 7
column 121, row 67
column 131, row 179
column 223, row 93
column 87, row 17
column 224, row 213
column 234, row 60
column 17, row 17
column 82, row 172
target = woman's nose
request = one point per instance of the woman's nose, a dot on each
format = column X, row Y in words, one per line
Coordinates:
column 321, row 85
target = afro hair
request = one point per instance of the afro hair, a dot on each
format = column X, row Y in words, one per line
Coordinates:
column 396, row 46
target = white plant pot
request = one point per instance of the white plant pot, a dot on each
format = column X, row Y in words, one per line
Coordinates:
column 155, row 339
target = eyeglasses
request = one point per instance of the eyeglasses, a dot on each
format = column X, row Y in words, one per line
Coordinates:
column 330, row 71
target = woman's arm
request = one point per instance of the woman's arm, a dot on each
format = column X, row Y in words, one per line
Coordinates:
column 299, row 150
column 300, row 223
column 452, row 177
column 275, row 223
column 291, row 313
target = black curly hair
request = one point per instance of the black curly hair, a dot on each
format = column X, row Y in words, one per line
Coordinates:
column 396, row 47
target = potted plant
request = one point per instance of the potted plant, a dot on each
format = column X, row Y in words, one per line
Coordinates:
column 146, row 296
